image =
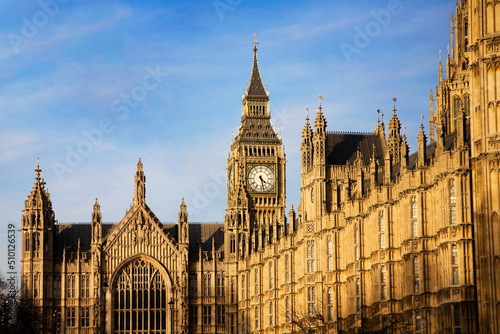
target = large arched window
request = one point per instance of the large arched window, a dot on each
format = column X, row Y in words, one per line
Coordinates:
column 140, row 299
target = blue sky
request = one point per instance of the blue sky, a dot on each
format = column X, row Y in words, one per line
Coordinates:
column 163, row 80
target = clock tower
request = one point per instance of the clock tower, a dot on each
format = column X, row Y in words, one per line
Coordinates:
column 255, row 215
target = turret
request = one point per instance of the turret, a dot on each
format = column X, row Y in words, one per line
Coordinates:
column 374, row 168
column 37, row 244
column 422, row 142
column 306, row 147
column 96, row 224
column 140, row 186
column 319, row 137
column 394, row 136
column 431, row 117
column 183, row 224
column 404, row 154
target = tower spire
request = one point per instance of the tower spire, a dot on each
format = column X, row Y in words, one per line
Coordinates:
column 255, row 87
column 37, row 170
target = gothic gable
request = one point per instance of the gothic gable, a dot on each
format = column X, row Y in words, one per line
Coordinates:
column 140, row 232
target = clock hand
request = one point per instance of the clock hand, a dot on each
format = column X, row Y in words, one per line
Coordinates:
column 262, row 181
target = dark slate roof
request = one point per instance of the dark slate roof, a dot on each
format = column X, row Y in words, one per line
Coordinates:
column 342, row 147
column 255, row 87
column 67, row 235
column 202, row 234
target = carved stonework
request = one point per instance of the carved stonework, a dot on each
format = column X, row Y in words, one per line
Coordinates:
column 141, row 230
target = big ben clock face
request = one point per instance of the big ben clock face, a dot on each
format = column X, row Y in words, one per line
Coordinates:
column 261, row 178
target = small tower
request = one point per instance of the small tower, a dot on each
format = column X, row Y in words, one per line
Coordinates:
column 431, row 117
column 37, row 246
column 319, row 137
column 394, row 136
column 404, row 153
column 319, row 166
column 306, row 147
column 183, row 224
column 140, row 186
column 422, row 142
column 96, row 224
column 95, row 248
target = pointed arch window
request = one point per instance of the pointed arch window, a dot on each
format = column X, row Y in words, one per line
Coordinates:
column 416, row 275
column 383, row 283
column 140, row 299
column 207, row 315
column 231, row 292
column 207, row 285
column 330, row 304
column 243, row 287
column 381, row 224
column 70, row 286
column 221, row 289
column 358, row 294
column 287, row 269
column 232, row 243
column 193, row 285
column 453, row 202
column 256, row 318
column 414, row 216
column 356, row 242
column 243, row 321
column 454, row 265
column 193, row 315
column 85, row 285
column 257, row 290
column 70, row 317
column 329, row 252
column 36, row 244
column 418, row 322
column 27, row 242
column 36, row 289
column 271, row 314
column 57, row 287
column 311, row 300
column 271, row 275
column 414, row 210
column 457, row 108
column 311, row 256
column 287, row 308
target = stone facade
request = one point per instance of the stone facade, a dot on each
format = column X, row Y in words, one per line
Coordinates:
column 382, row 240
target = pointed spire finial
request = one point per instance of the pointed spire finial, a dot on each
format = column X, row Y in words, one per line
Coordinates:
column 307, row 113
column 255, row 42
column 37, row 170
column 394, row 105
column 421, row 120
column 139, row 165
column 320, row 97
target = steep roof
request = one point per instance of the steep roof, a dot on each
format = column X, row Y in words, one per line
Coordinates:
column 67, row 235
column 343, row 146
column 255, row 87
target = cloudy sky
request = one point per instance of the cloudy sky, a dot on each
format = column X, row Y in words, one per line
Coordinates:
column 90, row 86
